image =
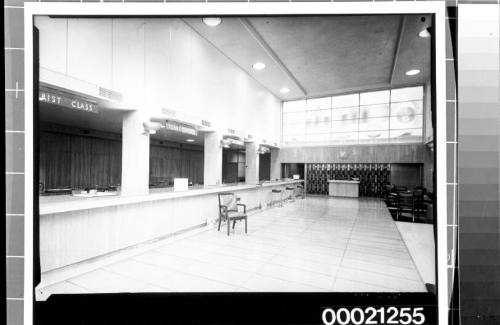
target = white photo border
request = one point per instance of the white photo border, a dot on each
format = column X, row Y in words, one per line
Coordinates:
column 32, row 9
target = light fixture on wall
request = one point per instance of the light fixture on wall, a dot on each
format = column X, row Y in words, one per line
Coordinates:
column 412, row 72
column 262, row 150
column 151, row 127
column 284, row 90
column 225, row 143
column 259, row 66
column 425, row 33
column 212, row 21
column 190, row 140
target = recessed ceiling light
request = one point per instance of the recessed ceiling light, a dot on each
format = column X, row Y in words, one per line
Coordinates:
column 284, row 90
column 212, row 21
column 258, row 65
column 190, row 140
column 412, row 72
column 424, row 33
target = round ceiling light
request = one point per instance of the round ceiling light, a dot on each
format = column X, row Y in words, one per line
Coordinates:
column 259, row 66
column 284, row 90
column 190, row 140
column 412, row 72
column 212, row 21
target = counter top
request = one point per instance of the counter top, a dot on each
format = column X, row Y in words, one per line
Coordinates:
column 343, row 181
column 68, row 203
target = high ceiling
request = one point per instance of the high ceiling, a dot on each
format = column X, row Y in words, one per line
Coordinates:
column 312, row 56
column 324, row 55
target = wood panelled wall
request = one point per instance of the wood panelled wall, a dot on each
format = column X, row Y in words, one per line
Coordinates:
column 391, row 153
column 75, row 161
column 265, row 167
column 167, row 163
column 80, row 159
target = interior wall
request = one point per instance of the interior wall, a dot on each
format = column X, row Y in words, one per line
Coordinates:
column 409, row 175
column 88, row 158
column 391, row 153
column 74, row 161
column 233, row 166
column 265, row 167
column 160, row 63
column 167, row 163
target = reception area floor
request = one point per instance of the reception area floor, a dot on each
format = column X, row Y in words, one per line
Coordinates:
column 316, row 244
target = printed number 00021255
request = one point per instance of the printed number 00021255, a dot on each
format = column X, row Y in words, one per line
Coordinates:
column 371, row 315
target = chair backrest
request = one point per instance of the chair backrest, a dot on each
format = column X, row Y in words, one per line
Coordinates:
column 228, row 200
column 418, row 192
column 400, row 188
column 405, row 200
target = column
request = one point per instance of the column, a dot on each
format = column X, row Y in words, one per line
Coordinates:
column 212, row 174
column 135, row 155
column 275, row 164
column 252, row 163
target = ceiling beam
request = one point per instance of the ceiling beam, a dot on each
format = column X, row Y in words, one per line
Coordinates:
column 258, row 38
column 398, row 47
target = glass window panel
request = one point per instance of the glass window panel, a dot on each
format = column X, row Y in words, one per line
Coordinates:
column 375, row 123
column 344, row 138
column 294, row 118
column 321, row 116
column 294, row 129
column 408, row 135
column 374, row 111
column 323, row 127
column 374, row 137
column 406, row 122
column 345, row 126
column 406, row 108
column 294, row 106
column 348, row 113
column 345, row 100
column 319, row 103
column 374, row 97
column 406, row 94
column 292, row 139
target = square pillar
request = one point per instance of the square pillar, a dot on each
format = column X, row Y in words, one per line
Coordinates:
column 275, row 164
column 252, row 163
column 135, row 155
column 212, row 159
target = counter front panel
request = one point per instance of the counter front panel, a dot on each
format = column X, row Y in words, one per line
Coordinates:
column 75, row 231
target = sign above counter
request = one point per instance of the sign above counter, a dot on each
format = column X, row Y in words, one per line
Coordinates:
column 67, row 100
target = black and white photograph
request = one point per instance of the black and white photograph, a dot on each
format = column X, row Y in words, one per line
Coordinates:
column 218, row 153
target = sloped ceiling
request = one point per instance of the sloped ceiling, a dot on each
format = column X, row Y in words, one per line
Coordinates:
column 323, row 55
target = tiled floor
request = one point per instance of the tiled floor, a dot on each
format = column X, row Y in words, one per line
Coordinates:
column 315, row 244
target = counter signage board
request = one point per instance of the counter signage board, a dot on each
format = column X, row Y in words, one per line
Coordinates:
column 72, row 102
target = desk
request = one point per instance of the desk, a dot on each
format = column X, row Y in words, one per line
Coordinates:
column 74, row 229
column 343, row 188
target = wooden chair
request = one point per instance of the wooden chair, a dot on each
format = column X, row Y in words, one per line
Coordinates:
column 228, row 210
column 420, row 206
column 405, row 205
column 400, row 188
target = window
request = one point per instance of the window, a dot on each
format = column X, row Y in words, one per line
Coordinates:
column 386, row 116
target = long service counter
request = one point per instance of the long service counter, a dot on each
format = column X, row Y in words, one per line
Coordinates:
column 75, row 229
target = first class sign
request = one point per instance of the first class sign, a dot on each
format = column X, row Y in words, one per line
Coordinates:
column 72, row 102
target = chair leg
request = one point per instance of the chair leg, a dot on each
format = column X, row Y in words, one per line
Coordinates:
column 228, row 226
column 234, row 222
column 245, row 225
column 218, row 229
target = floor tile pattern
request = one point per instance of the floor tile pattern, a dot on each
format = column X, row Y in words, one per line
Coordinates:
column 317, row 244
